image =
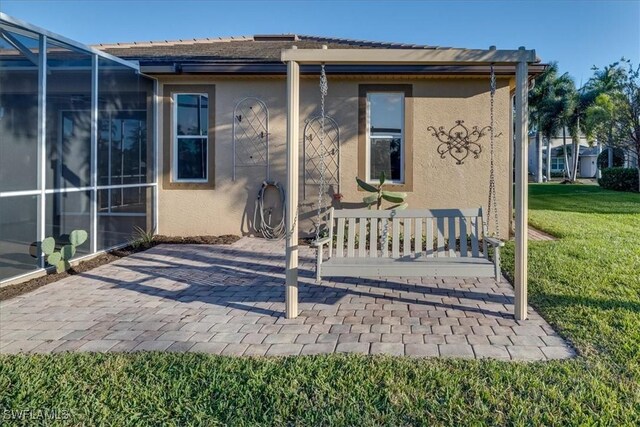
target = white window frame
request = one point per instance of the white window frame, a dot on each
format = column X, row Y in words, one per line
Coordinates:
column 554, row 164
column 401, row 181
column 176, row 137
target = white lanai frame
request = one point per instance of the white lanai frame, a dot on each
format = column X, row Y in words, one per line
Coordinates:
column 521, row 58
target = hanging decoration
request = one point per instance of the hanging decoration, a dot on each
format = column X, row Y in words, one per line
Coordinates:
column 459, row 141
column 315, row 150
column 250, row 135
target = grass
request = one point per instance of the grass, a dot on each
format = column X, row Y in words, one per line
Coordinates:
column 587, row 284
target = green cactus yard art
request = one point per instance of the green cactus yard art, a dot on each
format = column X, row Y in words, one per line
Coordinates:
column 60, row 259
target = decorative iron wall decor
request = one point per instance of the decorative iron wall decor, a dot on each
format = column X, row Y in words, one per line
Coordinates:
column 459, row 141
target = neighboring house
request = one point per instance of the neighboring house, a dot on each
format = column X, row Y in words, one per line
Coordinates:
column 630, row 159
column 187, row 131
column 587, row 167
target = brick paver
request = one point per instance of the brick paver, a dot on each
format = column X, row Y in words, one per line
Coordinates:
column 230, row 300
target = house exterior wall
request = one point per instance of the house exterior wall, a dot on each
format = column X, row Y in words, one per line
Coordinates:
column 588, row 167
column 437, row 182
column 555, row 143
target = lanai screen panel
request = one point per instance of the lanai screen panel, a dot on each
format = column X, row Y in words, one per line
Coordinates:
column 68, row 143
column 125, row 152
column 19, row 55
column 76, row 147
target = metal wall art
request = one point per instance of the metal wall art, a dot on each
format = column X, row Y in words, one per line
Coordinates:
column 315, row 154
column 250, row 134
column 459, row 141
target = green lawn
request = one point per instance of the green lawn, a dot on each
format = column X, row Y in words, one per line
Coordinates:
column 587, row 284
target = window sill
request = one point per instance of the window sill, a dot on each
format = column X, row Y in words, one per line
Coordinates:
column 392, row 186
column 396, row 183
column 190, row 181
column 188, row 185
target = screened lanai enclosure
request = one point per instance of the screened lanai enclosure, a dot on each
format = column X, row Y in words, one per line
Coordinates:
column 76, row 146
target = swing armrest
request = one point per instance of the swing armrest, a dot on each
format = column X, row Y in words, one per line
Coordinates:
column 321, row 242
column 496, row 243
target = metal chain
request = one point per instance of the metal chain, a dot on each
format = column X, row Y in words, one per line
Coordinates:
column 289, row 232
column 492, row 203
column 324, row 88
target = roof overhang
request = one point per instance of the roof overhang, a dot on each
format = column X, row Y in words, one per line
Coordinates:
column 217, row 68
column 375, row 61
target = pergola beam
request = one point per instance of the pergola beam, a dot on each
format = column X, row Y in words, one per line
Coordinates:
column 409, row 56
column 522, row 185
column 521, row 58
column 291, row 197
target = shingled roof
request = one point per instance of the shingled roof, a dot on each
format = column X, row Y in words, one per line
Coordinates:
column 244, row 49
column 260, row 54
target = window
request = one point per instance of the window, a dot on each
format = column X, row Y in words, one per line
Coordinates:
column 385, row 136
column 191, row 123
column 557, row 163
column 385, row 133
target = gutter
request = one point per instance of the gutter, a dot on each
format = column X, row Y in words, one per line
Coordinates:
column 279, row 68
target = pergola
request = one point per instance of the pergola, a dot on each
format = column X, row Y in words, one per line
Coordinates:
column 521, row 58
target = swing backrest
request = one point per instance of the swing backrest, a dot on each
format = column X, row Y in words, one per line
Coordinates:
column 364, row 233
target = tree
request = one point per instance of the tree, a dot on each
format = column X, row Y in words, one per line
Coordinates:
column 582, row 102
column 540, row 99
column 551, row 103
column 629, row 102
column 564, row 110
column 601, row 115
column 614, row 116
column 601, row 120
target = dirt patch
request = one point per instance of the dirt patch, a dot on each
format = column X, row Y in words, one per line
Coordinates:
column 11, row 291
column 226, row 239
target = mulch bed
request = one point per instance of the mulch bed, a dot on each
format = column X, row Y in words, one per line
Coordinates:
column 11, row 291
column 226, row 239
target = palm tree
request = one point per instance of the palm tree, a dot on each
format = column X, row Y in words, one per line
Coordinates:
column 539, row 97
column 565, row 101
column 606, row 80
column 602, row 88
column 616, row 110
column 553, row 104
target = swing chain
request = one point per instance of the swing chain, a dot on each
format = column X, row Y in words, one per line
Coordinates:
column 324, row 88
column 492, row 203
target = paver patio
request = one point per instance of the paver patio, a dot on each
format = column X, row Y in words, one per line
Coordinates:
column 230, row 300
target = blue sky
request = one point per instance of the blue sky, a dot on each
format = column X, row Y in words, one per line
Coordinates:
column 578, row 34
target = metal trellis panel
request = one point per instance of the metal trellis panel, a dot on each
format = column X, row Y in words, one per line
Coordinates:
column 250, row 134
column 312, row 152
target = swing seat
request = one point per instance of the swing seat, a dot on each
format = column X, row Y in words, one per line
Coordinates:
column 408, row 243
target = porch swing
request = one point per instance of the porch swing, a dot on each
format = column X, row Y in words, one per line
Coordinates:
column 411, row 242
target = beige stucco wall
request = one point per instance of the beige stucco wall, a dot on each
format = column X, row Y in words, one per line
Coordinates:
column 437, row 182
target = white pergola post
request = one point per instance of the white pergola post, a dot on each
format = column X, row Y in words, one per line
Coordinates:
column 521, row 181
column 520, row 58
column 291, row 196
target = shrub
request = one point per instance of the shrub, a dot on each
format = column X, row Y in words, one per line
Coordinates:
column 142, row 238
column 619, row 179
column 618, row 158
